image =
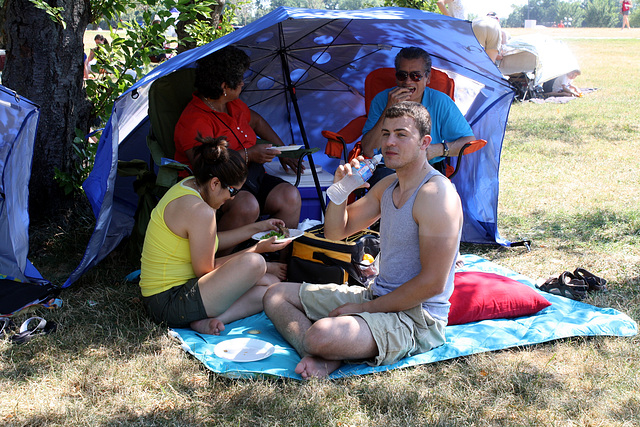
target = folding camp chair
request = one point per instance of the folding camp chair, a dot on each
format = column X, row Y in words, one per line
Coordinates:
column 375, row 82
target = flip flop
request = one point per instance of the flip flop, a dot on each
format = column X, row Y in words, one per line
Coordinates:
column 566, row 285
column 6, row 325
column 595, row 283
column 25, row 334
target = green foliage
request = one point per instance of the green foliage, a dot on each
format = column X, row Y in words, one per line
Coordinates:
column 54, row 12
column 634, row 18
column 85, row 154
column 199, row 23
column 601, row 14
column 428, row 5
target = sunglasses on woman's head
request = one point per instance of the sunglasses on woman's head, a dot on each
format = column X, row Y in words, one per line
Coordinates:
column 416, row 76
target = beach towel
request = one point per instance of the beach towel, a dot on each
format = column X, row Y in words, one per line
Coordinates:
column 562, row 319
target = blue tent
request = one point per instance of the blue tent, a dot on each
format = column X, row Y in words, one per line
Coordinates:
column 21, row 285
column 18, row 125
column 307, row 75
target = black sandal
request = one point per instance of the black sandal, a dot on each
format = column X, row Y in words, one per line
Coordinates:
column 566, row 285
column 595, row 283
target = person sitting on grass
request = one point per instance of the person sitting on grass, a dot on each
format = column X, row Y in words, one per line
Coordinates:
column 405, row 311
column 563, row 85
column 182, row 282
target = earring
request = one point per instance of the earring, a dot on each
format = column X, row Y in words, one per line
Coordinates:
column 225, row 93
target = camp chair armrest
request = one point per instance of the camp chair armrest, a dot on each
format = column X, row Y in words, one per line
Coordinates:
column 468, row 148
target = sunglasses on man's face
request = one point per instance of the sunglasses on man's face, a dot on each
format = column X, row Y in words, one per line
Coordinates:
column 416, row 76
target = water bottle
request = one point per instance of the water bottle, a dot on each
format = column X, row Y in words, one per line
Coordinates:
column 339, row 191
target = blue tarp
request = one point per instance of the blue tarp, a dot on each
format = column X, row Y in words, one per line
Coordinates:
column 564, row 318
column 307, row 75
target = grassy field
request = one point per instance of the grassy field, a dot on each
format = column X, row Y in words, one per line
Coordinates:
column 570, row 181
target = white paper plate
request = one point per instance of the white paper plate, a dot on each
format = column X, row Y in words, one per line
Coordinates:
column 294, row 234
column 287, row 148
column 244, row 349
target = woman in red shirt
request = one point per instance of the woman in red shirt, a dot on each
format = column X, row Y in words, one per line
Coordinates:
column 626, row 7
column 215, row 111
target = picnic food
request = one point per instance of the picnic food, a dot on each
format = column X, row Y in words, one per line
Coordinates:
column 282, row 233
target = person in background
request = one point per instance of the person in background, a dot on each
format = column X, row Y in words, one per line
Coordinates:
column 216, row 110
column 489, row 34
column 449, row 129
column 91, row 59
column 182, row 281
column 405, row 310
column 453, row 8
column 625, row 9
column 563, row 85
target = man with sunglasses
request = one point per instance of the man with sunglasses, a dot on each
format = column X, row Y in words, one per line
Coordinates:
column 449, row 129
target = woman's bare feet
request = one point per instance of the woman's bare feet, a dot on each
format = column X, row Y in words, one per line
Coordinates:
column 209, row 326
column 278, row 269
column 316, row 367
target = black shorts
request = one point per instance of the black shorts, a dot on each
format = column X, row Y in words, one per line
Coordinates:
column 260, row 184
column 177, row 307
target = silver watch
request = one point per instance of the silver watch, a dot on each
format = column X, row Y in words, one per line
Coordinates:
column 446, row 150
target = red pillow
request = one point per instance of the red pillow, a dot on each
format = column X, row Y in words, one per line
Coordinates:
column 481, row 296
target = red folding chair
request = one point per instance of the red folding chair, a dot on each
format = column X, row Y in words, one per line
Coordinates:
column 375, row 82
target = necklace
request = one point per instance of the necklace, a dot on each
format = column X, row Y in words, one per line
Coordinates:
column 209, row 103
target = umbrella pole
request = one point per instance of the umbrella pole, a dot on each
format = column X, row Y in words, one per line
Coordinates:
column 294, row 100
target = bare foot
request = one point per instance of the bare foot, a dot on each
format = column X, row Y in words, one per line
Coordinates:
column 278, row 269
column 209, row 326
column 316, row 367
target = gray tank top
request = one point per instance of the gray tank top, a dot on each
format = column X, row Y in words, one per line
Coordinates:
column 400, row 251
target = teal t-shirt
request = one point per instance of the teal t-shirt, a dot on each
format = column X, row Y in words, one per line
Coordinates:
column 447, row 122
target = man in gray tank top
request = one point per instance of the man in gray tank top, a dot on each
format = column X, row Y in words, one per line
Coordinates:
column 405, row 311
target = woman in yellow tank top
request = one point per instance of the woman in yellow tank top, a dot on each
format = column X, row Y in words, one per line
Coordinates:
column 182, row 282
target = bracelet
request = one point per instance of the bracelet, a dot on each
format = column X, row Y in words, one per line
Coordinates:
column 445, row 152
column 246, row 156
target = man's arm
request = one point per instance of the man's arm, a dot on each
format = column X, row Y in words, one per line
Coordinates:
column 343, row 220
column 437, row 150
column 438, row 213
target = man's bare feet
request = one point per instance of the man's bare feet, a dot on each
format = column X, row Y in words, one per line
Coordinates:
column 316, row 367
column 278, row 269
column 209, row 326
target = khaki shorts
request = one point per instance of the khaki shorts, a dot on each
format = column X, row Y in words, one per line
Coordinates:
column 178, row 306
column 397, row 335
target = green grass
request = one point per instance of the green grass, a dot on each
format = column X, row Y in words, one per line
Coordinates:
column 570, row 182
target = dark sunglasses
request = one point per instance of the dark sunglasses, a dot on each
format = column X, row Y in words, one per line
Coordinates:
column 416, row 76
column 232, row 191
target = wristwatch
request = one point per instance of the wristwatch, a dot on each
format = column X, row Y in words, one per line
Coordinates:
column 445, row 151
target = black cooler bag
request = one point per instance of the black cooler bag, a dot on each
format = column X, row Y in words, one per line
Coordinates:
column 315, row 259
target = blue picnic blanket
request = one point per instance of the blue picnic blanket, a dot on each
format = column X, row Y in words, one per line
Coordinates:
column 564, row 318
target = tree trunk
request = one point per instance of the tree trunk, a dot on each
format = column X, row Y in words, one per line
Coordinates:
column 45, row 65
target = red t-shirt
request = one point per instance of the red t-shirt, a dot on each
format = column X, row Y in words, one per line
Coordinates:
column 198, row 117
column 626, row 5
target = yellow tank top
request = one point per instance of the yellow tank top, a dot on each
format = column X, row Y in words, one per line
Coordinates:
column 166, row 257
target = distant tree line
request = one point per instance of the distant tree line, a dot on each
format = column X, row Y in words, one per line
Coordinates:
column 586, row 13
